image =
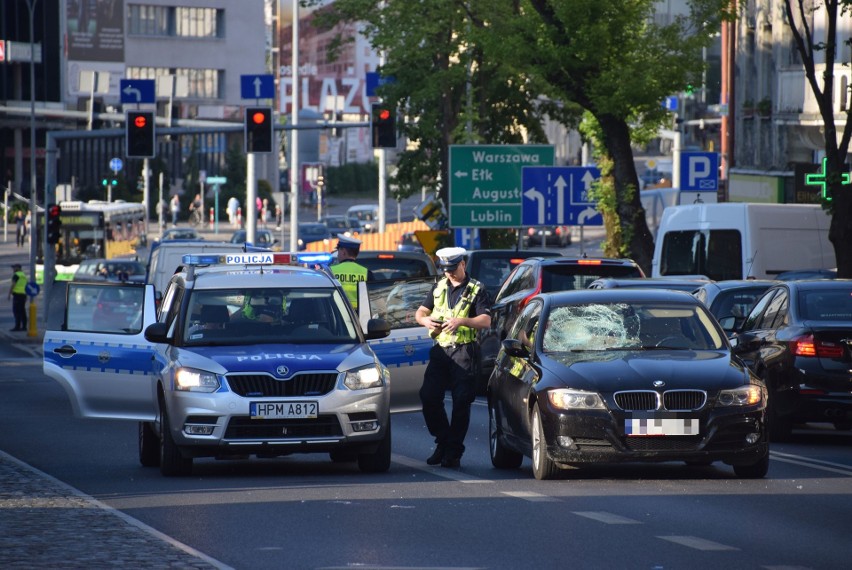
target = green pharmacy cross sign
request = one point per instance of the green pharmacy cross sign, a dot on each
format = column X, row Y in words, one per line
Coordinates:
column 819, row 179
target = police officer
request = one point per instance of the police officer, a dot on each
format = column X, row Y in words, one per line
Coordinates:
column 348, row 271
column 18, row 294
column 456, row 307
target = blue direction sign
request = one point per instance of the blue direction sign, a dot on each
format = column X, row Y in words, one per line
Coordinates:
column 137, row 91
column 699, row 171
column 257, row 86
column 559, row 195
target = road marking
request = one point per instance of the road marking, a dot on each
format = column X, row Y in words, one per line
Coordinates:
column 697, row 543
column 605, row 517
column 808, row 462
column 530, row 496
column 439, row 471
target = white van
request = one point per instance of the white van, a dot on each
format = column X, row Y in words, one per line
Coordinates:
column 742, row 240
column 164, row 260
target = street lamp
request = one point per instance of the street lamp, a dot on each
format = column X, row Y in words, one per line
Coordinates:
column 33, row 204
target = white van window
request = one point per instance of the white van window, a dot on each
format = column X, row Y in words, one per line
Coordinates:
column 714, row 253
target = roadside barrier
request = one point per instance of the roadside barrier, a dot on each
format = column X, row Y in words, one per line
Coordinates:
column 376, row 242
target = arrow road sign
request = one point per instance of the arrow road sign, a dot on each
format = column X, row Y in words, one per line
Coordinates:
column 137, row 90
column 257, row 87
column 559, row 195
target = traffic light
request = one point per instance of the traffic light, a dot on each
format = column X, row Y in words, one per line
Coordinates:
column 54, row 224
column 107, row 182
column 383, row 126
column 141, row 138
column 259, row 131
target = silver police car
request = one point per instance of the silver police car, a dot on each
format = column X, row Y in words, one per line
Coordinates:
column 249, row 354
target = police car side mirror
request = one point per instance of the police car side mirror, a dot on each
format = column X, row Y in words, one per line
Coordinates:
column 516, row 348
column 376, row 328
column 157, row 332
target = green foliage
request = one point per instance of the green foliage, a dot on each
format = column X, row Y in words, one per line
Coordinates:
column 352, row 178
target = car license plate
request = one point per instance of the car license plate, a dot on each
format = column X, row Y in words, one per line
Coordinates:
column 283, row 410
column 661, row 426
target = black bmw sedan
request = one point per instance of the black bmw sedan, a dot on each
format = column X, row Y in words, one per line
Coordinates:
column 617, row 375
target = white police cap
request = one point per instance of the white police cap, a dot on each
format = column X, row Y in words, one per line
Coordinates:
column 450, row 257
column 348, row 242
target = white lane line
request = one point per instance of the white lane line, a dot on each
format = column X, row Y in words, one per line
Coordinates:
column 604, row 517
column 453, row 474
column 697, row 543
column 810, row 462
column 530, row 496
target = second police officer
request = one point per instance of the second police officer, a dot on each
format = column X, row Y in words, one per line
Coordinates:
column 455, row 308
column 348, row 271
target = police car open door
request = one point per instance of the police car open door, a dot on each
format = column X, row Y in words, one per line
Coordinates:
column 95, row 347
column 405, row 352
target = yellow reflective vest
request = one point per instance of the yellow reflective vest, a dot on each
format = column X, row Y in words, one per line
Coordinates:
column 20, row 286
column 442, row 311
column 350, row 273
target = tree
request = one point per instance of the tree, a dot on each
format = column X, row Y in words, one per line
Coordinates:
column 801, row 17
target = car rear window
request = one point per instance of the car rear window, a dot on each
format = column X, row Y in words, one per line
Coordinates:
column 387, row 267
column 569, row 277
column 826, row 305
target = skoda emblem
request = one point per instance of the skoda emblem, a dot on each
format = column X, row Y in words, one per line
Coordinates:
column 408, row 349
column 659, row 383
column 282, row 370
column 103, row 357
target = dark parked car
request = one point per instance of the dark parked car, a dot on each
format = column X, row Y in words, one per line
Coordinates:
column 798, row 339
column 338, row 224
column 492, row 266
column 541, row 275
column 807, row 274
column 548, row 236
column 408, row 242
column 679, row 283
column 310, row 232
column 732, row 298
column 627, row 375
column 397, row 264
column 263, row 238
column 181, row 233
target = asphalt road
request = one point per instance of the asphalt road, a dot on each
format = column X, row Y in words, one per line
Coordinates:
column 303, row 511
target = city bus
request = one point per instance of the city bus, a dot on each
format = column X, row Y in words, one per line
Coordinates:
column 93, row 229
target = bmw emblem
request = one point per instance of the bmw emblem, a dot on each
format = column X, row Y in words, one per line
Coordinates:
column 282, row 370
column 659, row 383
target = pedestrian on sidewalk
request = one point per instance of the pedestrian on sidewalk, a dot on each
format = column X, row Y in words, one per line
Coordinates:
column 18, row 294
column 20, row 228
column 175, row 207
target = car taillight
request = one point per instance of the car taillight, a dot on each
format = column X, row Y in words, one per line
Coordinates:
column 588, row 262
column 806, row 346
column 516, row 260
column 558, row 231
column 526, row 299
column 531, row 232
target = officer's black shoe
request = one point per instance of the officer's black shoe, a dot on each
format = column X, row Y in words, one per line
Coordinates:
column 436, row 457
column 451, row 461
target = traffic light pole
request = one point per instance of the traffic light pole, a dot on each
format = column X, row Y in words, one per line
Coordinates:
column 251, row 198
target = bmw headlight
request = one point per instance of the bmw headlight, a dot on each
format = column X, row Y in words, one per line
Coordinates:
column 363, row 378
column 567, row 399
column 194, row 380
column 750, row 395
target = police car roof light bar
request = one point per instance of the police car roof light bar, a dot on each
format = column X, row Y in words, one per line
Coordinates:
column 267, row 258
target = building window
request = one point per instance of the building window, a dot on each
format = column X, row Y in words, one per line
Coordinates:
column 171, row 21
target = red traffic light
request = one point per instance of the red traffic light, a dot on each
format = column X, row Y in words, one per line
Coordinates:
column 258, row 118
column 384, row 114
column 140, row 121
column 54, row 211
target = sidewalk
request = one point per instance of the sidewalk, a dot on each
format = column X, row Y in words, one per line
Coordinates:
column 46, row 523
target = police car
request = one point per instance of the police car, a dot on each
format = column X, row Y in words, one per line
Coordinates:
column 249, row 354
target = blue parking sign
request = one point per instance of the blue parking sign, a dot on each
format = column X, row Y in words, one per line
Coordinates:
column 699, row 171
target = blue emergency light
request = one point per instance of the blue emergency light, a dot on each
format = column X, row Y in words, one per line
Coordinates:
column 257, row 258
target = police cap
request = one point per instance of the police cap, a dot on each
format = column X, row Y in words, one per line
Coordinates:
column 450, row 257
column 348, row 242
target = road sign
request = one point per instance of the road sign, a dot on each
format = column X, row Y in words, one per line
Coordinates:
column 116, row 165
column 485, row 183
column 137, row 90
column 467, row 238
column 670, row 103
column 559, row 195
column 699, row 171
column 257, row 87
column 216, row 180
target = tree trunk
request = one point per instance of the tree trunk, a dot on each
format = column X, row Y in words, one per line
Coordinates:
column 631, row 214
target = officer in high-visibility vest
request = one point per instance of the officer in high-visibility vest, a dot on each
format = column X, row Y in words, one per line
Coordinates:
column 348, row 271
column 18, row 294
column 455, row 308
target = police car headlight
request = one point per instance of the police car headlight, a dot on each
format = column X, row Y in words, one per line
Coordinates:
column 362, row 378
column 193, row 380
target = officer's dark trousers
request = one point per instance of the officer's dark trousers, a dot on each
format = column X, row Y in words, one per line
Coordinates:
column 450, row 368
column 19, row 310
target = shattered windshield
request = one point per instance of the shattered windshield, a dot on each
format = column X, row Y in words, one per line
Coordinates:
column 622, row 326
